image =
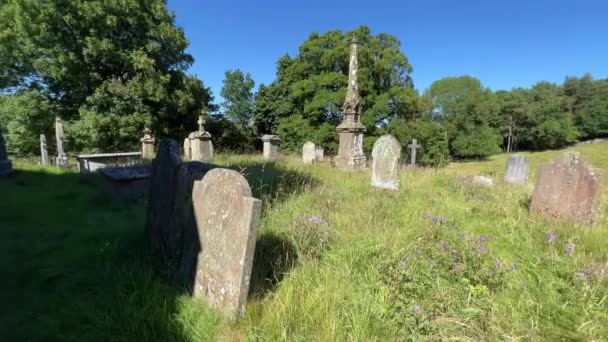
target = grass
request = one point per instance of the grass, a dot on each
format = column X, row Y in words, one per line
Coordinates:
column 335, row 260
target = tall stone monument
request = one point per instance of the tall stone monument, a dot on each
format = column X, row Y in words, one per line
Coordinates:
column 6, row 166
column 227, row 217
column 385, row 163
column 567, row 188
column 200, row 143
column 350, row 152
column 271, row 146
column 62, row 157
column 147, row 144
column 517, row 169
column 44, row 152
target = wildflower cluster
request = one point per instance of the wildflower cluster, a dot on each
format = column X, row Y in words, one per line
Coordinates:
column 312, row 235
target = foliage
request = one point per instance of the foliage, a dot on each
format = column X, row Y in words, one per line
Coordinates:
column 238, row 96
column 430, row 135
column 108, row 67
column 227, row 135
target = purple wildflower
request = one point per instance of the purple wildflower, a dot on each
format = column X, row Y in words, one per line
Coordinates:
column 314, row 219
column 429, row 314
column 551, row 236
column 582, row 275
column 497, row 262
column 569, row 249
column 417, row 309
column 483, row 249
column 484, row 238
column 513, row 267
column 404, row 262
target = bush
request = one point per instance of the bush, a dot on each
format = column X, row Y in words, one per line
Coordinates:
column 430, row 135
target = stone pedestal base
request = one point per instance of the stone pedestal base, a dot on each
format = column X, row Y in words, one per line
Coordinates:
column 201, row 148
column 271, row 146
column 62, row 161
column 6, row 168
column 147, row 149
column 350, row 153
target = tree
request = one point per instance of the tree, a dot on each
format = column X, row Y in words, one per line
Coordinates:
column 238, row 96
column 588, row 102
column 431, row 135
column 107, row 67
column 513, row 112
column 310, row 87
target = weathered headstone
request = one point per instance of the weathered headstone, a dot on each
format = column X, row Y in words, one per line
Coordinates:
column 44, row 152
column 385, row 163
column 568, row 188
column 271, row 146
column 6, row 166
column 413, row 146
column 308, row 152
column 319, row 154
column 147, row 144
column 350, row 152
column 62, row 158
column 187, row 151
column 517, row 169
column 200, row 143
column 227, row 218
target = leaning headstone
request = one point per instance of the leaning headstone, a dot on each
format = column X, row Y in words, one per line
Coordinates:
column 567, row 188
column 319, row 154
column 227, row 218
column 385, row 163
column 187, row 151
column 162, row 199
column 62, row 158
column 517, row 169
column 6, row 166
column 271, row 146
column 44, row 152
column 147, row 144
column 308, row 152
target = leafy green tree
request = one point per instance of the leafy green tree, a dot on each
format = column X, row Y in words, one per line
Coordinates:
column 237, row 92
column 108, row 67
column 588, row 102
column 513, row 113
column 310, row 87
column 431, row 135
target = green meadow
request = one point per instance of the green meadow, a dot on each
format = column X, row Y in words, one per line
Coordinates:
column 335, row 260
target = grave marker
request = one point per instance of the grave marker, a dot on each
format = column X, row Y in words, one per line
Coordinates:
column 413, row 146
column 385, row 163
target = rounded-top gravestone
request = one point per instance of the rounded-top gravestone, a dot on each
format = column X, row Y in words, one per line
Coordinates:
column 308, row 152
column 517, row 169
column 385, row 163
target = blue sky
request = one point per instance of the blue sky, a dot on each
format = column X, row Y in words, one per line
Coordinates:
column 504, row 43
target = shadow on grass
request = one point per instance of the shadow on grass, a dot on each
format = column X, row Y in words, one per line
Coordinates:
column 526, row 202
column 274, row 258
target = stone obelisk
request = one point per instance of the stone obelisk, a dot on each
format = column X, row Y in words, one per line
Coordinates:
column 62, row 157
column 350, row 153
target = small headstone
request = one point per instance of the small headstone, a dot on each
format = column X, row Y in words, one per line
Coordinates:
column 517, row 169
column 478, row 180
column 319, row 154
column 308, row 152
column 62, row 158
column 413, row 146
column 147, row 144
column 568, row 188
column 227, row 218
column 44, row 152
column 385, row 163
column 271, row 146
column 6, row 166
column 187, row 151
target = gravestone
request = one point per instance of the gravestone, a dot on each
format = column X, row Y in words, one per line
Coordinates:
column 126, row 183
column 567, row 188
column 162, row 199
column 385, row 163
column 62, row 158
column 413, row 146
column 200, row 143
column 308, row 152
column 319, row 154
column 44, row 152
column 6, row 166
column 227, row 218
column 187, row 151
column 147, row 144
column 517, row 169
column 271, row 146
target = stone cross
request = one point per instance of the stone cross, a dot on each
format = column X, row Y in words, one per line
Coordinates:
column 568, row 188
column 413, row 146
column 201, row 122
column 6, row 166
column 385, row 163
column 227, row 217
column 44, row 153
column 62, row 158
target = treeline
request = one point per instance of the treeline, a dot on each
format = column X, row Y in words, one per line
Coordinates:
column 110, row 68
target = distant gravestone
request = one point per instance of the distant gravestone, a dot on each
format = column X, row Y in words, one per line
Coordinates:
column 568, row 188
column 162, row 199
column 6, row 166
column 319, row 154
column 44, row 152
column 517, row 169
column 62, row 158
column 414, row 147
column 308, row 152
column 385, row 163
column 187, row 151
column 227, row 218
column 147, row 144
column 271, row 146
column 200, row 143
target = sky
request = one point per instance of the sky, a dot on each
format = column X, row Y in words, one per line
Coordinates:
column 504, row 43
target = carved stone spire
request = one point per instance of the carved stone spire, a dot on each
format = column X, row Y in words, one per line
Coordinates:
column 352, row 103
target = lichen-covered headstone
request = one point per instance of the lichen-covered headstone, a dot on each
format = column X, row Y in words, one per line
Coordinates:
column 6, row 166
column 517, row 169
column 308, row 152
column 227, row 218
column 385, row 163
column 162, row 198
column 568, row 188
column 319, row 154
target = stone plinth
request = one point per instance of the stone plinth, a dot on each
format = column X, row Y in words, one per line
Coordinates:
column 350, row 153
column 271, row 146
column 94, row 162
column 126, row 183
column 200, row 146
